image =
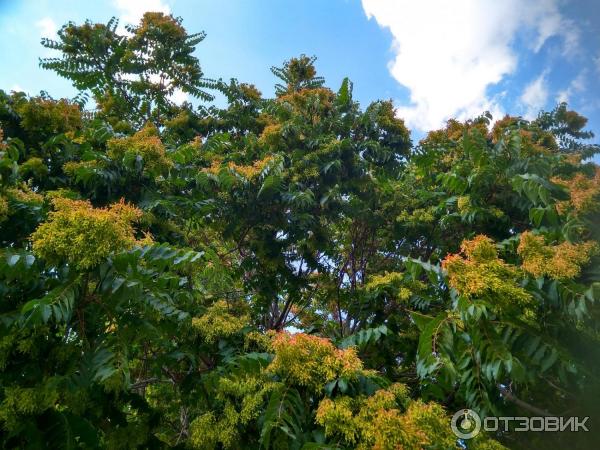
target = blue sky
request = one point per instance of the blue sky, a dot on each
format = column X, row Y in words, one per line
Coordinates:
column 435, row 58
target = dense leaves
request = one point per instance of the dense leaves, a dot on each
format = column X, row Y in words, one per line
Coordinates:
column 287, row 272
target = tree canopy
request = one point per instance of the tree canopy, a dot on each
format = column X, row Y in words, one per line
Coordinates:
column 286, row 272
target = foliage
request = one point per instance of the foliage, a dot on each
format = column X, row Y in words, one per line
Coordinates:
column 287, row 272
column 83, row 236
column 131, row 75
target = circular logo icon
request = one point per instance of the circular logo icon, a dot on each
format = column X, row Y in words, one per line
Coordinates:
column 466, row 424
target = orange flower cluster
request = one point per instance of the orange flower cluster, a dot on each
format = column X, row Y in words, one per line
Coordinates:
column 250, row 92
column 312, row 103
column 479, row 249
column 252, row 171
column 584, row 192
column 501, row 126
column 158, row 20
column 531, row 142
column 248, row 172
column 305, row 97
column 453, row 131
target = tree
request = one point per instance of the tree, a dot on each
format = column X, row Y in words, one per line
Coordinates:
column 131, row 76
column 288, row 272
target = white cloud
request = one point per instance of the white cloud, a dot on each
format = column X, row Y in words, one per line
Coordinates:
column 535, row 95
column 549, row 22
column 47, row 28
column 178, row 97
column 576, row 86
column 133, row 10
column 448, row 53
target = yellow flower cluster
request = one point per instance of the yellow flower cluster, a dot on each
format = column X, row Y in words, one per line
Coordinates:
column 24, row 401
column 337, row 417
column 312, row 361
column 252, row 171
column 463, row 203
column 259, row 341
column 387, row 119
column 248, row 391
column 243, row 400
column 396, row 281
column 386, row 420
column 464, row 206
column 72, row 167
column 76, row 137
column 416, row 216
column 385, row 279
column 82, row 235
column 562, row 261
column 4, row 211
column 131, row 434
column 34, row 167
column 145, row 143
column 584, row 192
column 204, row 433
column 573, row 158
column 49, row 116
column 24, row 194
column 271, row 136
column 215, row 166
column 219, row 321
column 480, row 273
column 61, row 193
column 250, row 92
column 20, row 194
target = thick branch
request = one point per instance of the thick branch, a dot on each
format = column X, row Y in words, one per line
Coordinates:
column 508, row 395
